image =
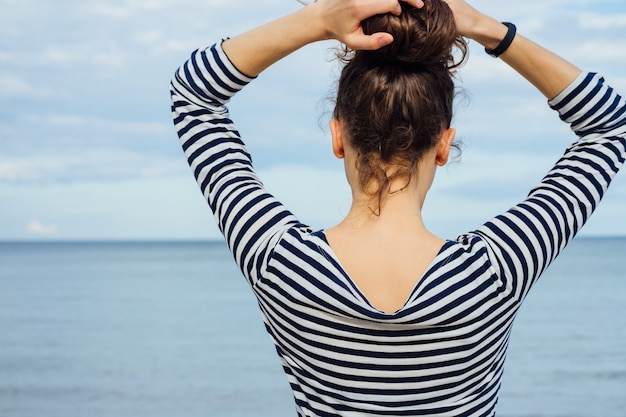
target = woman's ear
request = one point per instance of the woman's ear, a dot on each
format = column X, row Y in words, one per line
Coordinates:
column 443, row 149
column 336, row 131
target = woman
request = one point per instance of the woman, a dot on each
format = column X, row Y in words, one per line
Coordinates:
column 377, row 316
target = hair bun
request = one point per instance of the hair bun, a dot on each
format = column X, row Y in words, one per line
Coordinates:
column 421, row 36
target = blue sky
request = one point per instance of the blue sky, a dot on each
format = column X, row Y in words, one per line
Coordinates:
column 88, row 150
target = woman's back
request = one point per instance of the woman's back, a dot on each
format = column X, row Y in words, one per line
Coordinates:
column 441, row 353
column 385, row 257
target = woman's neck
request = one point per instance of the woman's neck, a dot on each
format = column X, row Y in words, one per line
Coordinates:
column 399, row 210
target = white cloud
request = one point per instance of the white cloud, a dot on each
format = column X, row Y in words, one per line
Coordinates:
column 37, row 228
column 91, row 164
column 483, row 68
column 7, row 57
column 111, row 59
column 96, row 53
column 515, row 170
column 60, row 54
column 149, row 37
column 192, row 10
column 602, row 22
column 173, row 45
column 15, row 171
column 318, row 197
column 146, row 208
column 110, row 11
column 602, row 50
column 12, row 86
column 99, row 123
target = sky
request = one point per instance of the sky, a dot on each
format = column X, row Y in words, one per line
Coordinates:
column 88, row 150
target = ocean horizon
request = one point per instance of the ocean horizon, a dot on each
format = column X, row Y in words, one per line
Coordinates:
column 138, row 328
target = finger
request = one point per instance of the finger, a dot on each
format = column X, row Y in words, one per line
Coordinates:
column 415, row 3
column 369, row 42
column 374, row 7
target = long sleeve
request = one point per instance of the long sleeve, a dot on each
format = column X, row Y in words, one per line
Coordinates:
column 251, row 220
column 525, row 239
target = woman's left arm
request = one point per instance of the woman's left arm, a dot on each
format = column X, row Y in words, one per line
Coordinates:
column 251, row 220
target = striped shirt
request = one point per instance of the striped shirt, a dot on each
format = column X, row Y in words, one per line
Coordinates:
column 442, row 353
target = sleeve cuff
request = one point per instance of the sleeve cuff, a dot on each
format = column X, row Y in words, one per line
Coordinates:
column 572, row 96
column 232, row 68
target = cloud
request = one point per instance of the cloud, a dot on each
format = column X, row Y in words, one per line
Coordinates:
column 110, row 11
column 16, row 172
column 144, row 208
column 319, row 197
column 88, row 165
column 73, row 120
column 6, row 57
column 602, row 22
column 611, row 50
column 98, row 54
column 15, row 86
column 36, row 227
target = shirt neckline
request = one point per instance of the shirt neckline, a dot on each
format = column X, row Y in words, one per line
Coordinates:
column 411, row 295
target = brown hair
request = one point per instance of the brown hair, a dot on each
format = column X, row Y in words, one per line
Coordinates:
column 395, row 102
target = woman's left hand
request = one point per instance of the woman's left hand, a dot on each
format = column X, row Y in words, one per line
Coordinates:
column 257, row 49
column 342, row 20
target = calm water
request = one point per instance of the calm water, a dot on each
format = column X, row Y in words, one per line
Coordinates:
column 171, row 329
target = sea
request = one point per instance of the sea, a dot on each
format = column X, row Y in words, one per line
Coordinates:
column 134, row 329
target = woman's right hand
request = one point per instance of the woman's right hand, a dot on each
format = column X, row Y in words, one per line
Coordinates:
column 544, row 69
column 475, row 25
column 466, row 17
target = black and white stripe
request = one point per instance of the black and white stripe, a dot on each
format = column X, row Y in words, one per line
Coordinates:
column 443, row 352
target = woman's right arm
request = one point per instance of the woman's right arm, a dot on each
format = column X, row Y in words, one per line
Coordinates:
column 548, row 72
column 528, row 237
